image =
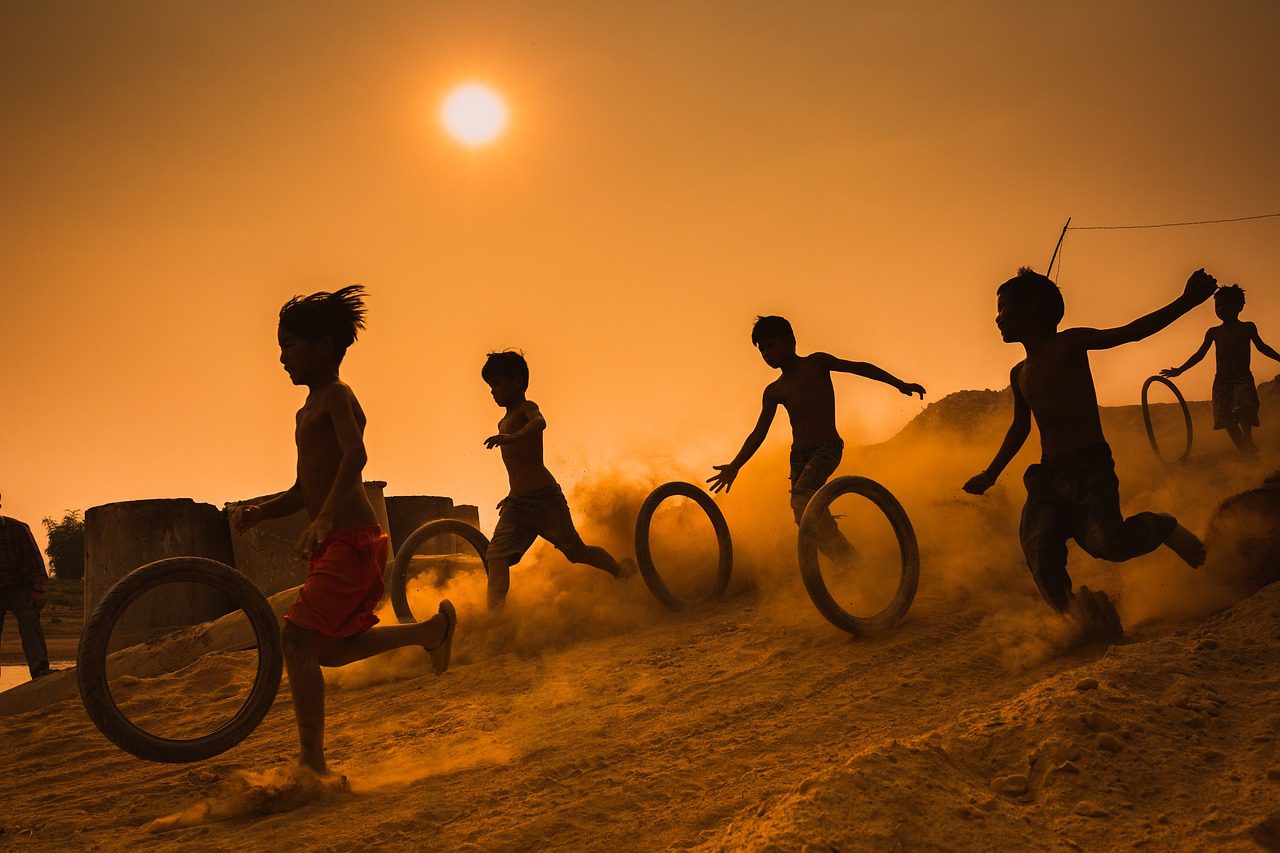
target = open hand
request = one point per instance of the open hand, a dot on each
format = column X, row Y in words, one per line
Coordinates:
column 313, row 537
column 1171, row 372
column 910, row 388
column 496, row 440
column 1200, row 286
column 979, row 483
column 724, row 479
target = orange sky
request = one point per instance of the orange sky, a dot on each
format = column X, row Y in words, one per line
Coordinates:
column 173, row 171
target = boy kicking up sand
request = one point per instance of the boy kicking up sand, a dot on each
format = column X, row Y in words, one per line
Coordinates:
column 804, row 389
column 331, row 623
column 536, row 505
column 1073, row 493
column 1235, row 397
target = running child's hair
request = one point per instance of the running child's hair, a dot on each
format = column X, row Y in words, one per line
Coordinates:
column 338, row 316
column 1039, row 291
column 508, row 364
column 1230, row 296
column 771, row 328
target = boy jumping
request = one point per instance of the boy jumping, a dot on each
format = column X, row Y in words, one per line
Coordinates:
column 331, row 623
column 1235, row 397
column 804, row 389
column 1073, row 491
column 536, row 505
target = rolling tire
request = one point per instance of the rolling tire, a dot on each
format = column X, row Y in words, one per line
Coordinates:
column 811, row 571
column 91, row 660
column 1146, row 416
column 644, row 556
column 397, row 586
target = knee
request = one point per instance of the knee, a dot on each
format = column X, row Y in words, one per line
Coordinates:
column 297, row 642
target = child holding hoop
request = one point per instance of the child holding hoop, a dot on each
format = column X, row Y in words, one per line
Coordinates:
column 1073, row 491
column 331, row 623
column 1235, row 397
column 805, row 390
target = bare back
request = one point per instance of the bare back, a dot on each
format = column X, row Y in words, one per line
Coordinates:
column 1057, row 384
column 320, row 454
column 526, row 472
column 1232, row 345
column 806, row 392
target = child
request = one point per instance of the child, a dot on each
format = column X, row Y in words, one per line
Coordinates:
column 1235, row 397
column 331, row 622
column 536, row 505
column 804, row 389
column 1073, row 492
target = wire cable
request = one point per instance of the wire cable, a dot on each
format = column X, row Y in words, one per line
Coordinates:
column 1171, row 224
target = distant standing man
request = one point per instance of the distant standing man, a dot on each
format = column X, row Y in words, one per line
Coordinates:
column 22, row 578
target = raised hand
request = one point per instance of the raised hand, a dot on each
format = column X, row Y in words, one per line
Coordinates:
column 724, row 479
column 910, row 388
column 1200, row 286
column 1171, row 372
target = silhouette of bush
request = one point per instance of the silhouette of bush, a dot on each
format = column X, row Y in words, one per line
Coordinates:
column 66, row 544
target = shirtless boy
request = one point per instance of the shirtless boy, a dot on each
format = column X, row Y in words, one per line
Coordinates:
column 1235, row 397
column 804, row 389
column 536, row 505
column 1073, row 491
column 331, row 623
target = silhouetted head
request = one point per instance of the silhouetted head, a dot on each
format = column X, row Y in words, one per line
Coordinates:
column 507, row 374
column 315, row 331
column 774, row 338
column 1228, row 301
column 1027, row 305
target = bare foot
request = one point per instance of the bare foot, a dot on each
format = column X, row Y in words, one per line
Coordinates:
column 1186, row 545
column 443, row 650
column 1097, row 616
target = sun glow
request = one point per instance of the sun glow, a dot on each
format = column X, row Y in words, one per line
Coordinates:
column 474, row 114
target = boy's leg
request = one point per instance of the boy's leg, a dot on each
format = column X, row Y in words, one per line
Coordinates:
column 499, row 571
column 511, row 538
column 1104, row 532
column 810, row 471
column 555, row 524
column 1044, row 531
column 307, row 686
column 1246, row 438
column 340, row 651
column 1235, row 433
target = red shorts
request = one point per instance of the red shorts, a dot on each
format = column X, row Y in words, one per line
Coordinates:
column 344, row 583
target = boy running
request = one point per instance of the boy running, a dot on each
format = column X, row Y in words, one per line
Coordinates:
column 536, row 505
column 1073, row 491
column 1235, row 397
column 804, row 389
column 331, row 623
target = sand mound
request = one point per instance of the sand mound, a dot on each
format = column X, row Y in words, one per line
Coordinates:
column 1244, row 539
column 1166, row 743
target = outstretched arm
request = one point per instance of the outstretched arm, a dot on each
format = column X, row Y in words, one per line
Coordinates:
column 1013, row 439
column 535, row 423
column 870, row 371
column 1263, row 348
column 1200, row 286
column 1194, row 360
column 726, row 474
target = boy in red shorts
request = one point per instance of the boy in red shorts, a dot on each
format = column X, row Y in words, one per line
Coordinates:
column 331, row 623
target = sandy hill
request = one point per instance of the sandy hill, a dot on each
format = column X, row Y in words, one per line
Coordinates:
column 590, row 718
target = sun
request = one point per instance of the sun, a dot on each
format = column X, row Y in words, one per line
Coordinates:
column 474, row 114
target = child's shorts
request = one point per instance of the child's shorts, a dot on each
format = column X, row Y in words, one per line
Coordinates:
column 811, row 467
column 523, row 518
column 344, row 583
column 1235, row 401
